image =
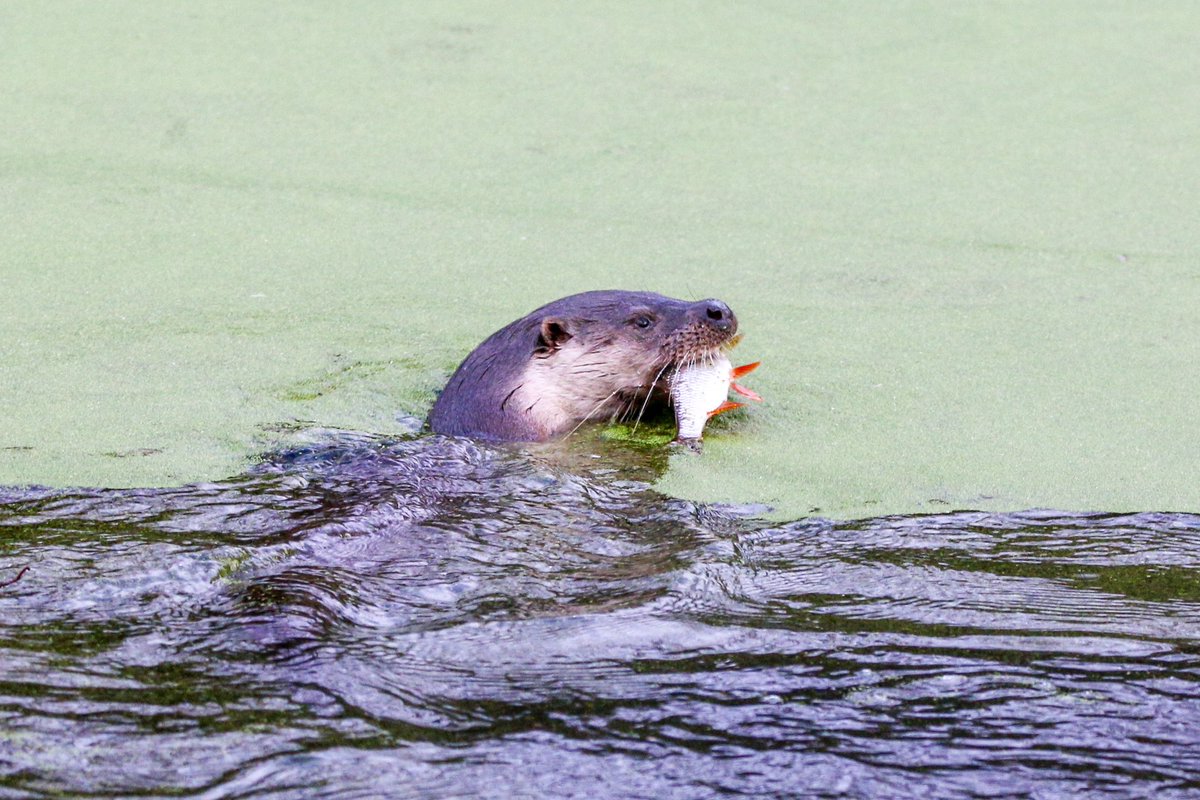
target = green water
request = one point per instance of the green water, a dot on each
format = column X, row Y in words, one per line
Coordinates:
column 962, row 238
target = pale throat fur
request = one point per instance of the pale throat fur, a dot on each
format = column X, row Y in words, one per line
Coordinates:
column 607, row 377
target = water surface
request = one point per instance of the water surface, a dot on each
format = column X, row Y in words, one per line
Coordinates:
column 961, row 237
column 409, row 617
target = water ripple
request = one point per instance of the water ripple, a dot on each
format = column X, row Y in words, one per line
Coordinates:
column 430, row 617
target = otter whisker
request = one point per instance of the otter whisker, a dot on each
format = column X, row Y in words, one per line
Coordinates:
column 649, row 392
column 595, row 408
column 625, row 409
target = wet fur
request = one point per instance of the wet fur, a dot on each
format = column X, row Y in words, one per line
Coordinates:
column 580, row 358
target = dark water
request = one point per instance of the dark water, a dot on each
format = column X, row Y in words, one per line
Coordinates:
column 427, row 618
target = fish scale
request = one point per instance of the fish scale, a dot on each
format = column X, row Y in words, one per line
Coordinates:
column 697, row 390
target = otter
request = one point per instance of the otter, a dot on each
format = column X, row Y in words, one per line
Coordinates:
column 589, row 356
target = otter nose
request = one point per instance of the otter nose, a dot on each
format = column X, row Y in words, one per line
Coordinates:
column 719, row 315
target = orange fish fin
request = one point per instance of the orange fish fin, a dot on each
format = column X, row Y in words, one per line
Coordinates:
column 744, row 392
column 726, row 406
column 745, row 369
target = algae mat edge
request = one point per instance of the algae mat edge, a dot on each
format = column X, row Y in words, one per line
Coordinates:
column 961, row 238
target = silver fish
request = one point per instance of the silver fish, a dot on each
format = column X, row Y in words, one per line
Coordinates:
column 697, row 390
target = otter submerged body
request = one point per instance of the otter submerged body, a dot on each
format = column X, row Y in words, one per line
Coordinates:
column 589, row 356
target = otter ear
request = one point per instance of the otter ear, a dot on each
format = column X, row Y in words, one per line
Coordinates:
column 554, row 334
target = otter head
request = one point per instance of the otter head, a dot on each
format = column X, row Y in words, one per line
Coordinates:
column 595, row 355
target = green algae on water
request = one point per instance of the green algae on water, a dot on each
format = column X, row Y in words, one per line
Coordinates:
column 961, row 238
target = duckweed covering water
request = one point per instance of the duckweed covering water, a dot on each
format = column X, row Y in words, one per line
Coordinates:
column 962, row 239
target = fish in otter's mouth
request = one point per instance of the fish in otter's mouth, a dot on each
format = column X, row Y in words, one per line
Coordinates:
column 700, row 390
column 590, row 356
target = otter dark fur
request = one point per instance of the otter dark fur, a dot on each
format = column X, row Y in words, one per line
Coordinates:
column 594, row 355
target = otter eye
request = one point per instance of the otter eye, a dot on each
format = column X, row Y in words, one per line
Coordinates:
column 643, row 321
